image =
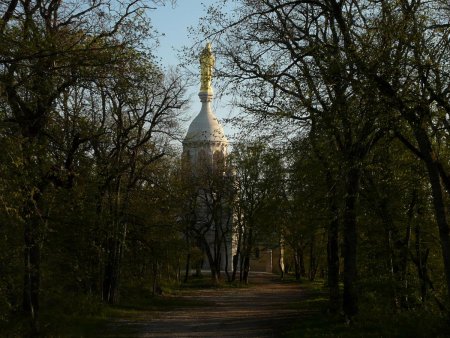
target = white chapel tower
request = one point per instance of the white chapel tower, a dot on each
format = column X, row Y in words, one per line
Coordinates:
column 205, row 150
column 205, row 136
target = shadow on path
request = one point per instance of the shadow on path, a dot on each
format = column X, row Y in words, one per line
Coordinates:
column 266, row 309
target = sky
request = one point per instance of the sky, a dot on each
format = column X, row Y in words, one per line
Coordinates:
column 173, row 22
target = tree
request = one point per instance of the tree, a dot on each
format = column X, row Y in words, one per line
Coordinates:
column 258, row 177
column 47, row 49
column 412, row 81
column 208, row 199
column 311, row 80
column 141, row 107
column 315, row 205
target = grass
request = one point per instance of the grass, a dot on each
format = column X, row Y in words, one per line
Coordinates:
column 85, row 317
column 90, row 318
column 374, row 320
column 407, row 326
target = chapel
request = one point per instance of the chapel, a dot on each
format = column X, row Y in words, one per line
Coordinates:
column 205, row 149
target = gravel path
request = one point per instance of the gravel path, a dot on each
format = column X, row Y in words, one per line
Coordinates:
column 266, row 309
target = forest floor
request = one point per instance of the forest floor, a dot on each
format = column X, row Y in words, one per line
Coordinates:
column 269, row 307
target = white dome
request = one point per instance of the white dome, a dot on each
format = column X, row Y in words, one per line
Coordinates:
column 205, row 127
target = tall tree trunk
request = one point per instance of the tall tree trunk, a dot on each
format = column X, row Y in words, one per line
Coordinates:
column 188, row 257
column 421, row 264
column 302, row 262
column 241, row 268
column 188, row 261
column 350, row 297
column 217, row 245
column 298, row 258
column 155, row 268
column 238, row 252
column 406, row 247
column 248, row 251
column 227, row 273
column 116, row 243
column 392, row 248
column 312, row 258
column 438, row 199
column 393, row 269
column 281, row 258
column 333, row 247
column 246, row 268
column 32, row 255
column 32, row 276
column 32, row 214
column 212, row 261
column 112, row 272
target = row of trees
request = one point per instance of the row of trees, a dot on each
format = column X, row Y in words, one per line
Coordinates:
column 365, row 85
column 91, row 196
column 93, row 192
column 86, row 117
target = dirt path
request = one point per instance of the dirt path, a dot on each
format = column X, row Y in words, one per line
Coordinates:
column 266, row 309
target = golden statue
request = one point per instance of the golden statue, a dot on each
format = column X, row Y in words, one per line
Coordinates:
column 207, row 62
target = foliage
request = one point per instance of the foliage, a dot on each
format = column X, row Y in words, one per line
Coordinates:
column 364, row 86
column 86, row 119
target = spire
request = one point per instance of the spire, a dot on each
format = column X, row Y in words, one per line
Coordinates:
column 205, row 127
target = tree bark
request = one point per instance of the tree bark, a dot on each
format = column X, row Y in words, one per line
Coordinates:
column 112, row 272
column 333, row 248
column 188, row 261
column 248, row 251
column 421, row 263
column 406, row 248
column 238, row 253
column 299, row 263
column 32, row 276
column 438, row 199
column 350, row 297
column 32, row 253
column 212, row 262
column 226, row 261
column 392, row 242
column 312, row 258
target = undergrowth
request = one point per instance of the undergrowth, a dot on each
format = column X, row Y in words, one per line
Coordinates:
column 375, row 319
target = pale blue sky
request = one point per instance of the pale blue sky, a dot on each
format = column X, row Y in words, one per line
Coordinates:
column 173, row 22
